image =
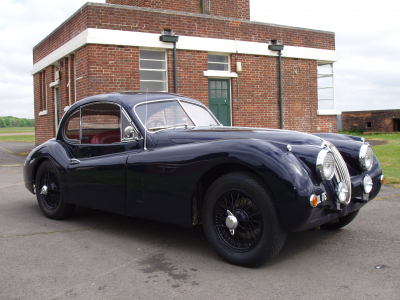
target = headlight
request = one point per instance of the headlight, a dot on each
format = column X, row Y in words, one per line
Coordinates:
column 325, row 165
column 366, row 157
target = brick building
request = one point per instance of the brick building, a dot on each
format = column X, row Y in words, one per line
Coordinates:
column 372, row 120
column 222, row 59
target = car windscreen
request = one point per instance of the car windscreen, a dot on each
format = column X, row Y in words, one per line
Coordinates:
column 172, row 113
column 199, row 115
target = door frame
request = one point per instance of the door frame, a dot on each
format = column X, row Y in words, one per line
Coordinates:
column 230, row 94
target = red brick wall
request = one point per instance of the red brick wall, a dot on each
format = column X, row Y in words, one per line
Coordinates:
column 239, row 9
column 69, row 29
column 137, row 19
column 113, row 68
column 381, row 120
column 109, row 68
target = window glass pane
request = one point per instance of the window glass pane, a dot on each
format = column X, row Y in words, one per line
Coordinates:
column 325, row 93
column 325, row 105
column 218, row 67
column 219, row 94
column 101, row 124
column 224, row 93
column 325, row 69
column 153, row 86
column 218, row 58
column 153, row 75
column 212, row 85
column 152, row 64
column 224, row 85
column 157, row 55
column 325, row 81
column 72, row 126
column 153, row 81
column 212, row 93
column 162, row 114
column 199, row 115
column 218, row 62
column 218, row 84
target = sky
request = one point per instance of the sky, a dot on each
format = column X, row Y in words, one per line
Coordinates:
column 367, row 74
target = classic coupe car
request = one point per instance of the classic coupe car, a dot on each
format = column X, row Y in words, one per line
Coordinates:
column 166, row 157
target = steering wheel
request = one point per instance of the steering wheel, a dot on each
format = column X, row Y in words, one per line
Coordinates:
column 155, row 123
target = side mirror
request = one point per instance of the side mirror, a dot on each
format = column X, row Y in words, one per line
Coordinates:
column 128, row 132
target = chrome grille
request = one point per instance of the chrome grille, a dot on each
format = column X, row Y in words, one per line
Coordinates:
column 341, row 171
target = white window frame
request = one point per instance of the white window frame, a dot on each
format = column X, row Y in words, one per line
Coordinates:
column 332, row 75
column 218, row 63
column 160, row 70
column 43, row 89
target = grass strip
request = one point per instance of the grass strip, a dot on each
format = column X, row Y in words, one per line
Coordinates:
column 18, row 138
column 388, row 154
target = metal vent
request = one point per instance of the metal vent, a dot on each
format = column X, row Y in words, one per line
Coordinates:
column 341, row 172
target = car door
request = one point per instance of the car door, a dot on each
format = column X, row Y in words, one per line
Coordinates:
column 97, row 174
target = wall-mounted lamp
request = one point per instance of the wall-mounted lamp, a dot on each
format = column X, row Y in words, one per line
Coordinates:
column 168, row 36
column 238, row 67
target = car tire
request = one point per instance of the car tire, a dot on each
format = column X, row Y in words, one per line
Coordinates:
column 341, row 222
column 259, row 234
column 49, row 193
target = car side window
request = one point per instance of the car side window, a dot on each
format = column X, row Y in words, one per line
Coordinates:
column 101, row 124
column 72, row 127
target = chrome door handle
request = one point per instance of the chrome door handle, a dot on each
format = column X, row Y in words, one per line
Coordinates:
column 74, row 161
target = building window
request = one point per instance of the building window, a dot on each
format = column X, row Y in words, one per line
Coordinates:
column 326, row 93
column 43, row 91
column 218, row 62
column 153, row 71
column 368, row 124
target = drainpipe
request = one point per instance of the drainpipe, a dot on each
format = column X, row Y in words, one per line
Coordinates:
column 170, row 37
column 276, row 47
column 202, row 7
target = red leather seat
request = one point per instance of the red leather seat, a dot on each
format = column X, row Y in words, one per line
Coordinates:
column 107, row 137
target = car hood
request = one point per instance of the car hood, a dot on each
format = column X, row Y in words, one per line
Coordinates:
column 201, row 134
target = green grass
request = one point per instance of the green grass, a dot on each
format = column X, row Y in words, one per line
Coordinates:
column 388, row 154
column 16, row 129
column 18, row 138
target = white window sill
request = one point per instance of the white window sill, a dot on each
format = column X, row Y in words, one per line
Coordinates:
column 54, row 83
column 328, row 112
column 222, row 74
column 43, row 113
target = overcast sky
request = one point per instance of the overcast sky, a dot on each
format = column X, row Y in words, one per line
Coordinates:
column 367, row 75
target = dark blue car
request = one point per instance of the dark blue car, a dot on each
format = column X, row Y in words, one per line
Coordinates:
column 165, row 157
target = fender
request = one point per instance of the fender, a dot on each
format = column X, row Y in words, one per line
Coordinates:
column 165, row 177
column 57, row 154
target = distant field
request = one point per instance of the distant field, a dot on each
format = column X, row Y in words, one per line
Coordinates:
column 18, row 138
column 388, row 154
column 16, row 129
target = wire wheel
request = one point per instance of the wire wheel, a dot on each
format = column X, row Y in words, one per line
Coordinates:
column 49, row 190
column 249, row 229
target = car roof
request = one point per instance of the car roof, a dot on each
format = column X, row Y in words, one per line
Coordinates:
column 130, row 99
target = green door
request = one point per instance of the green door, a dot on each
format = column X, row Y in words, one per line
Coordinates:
column 220, row 100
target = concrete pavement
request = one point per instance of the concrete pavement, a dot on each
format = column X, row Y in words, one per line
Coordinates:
column 99, row 255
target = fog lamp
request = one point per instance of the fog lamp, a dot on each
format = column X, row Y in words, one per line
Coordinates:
column 342, row 193
column 367, row 184
column 382, row 179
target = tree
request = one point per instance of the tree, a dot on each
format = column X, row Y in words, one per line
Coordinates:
column 2, row 123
